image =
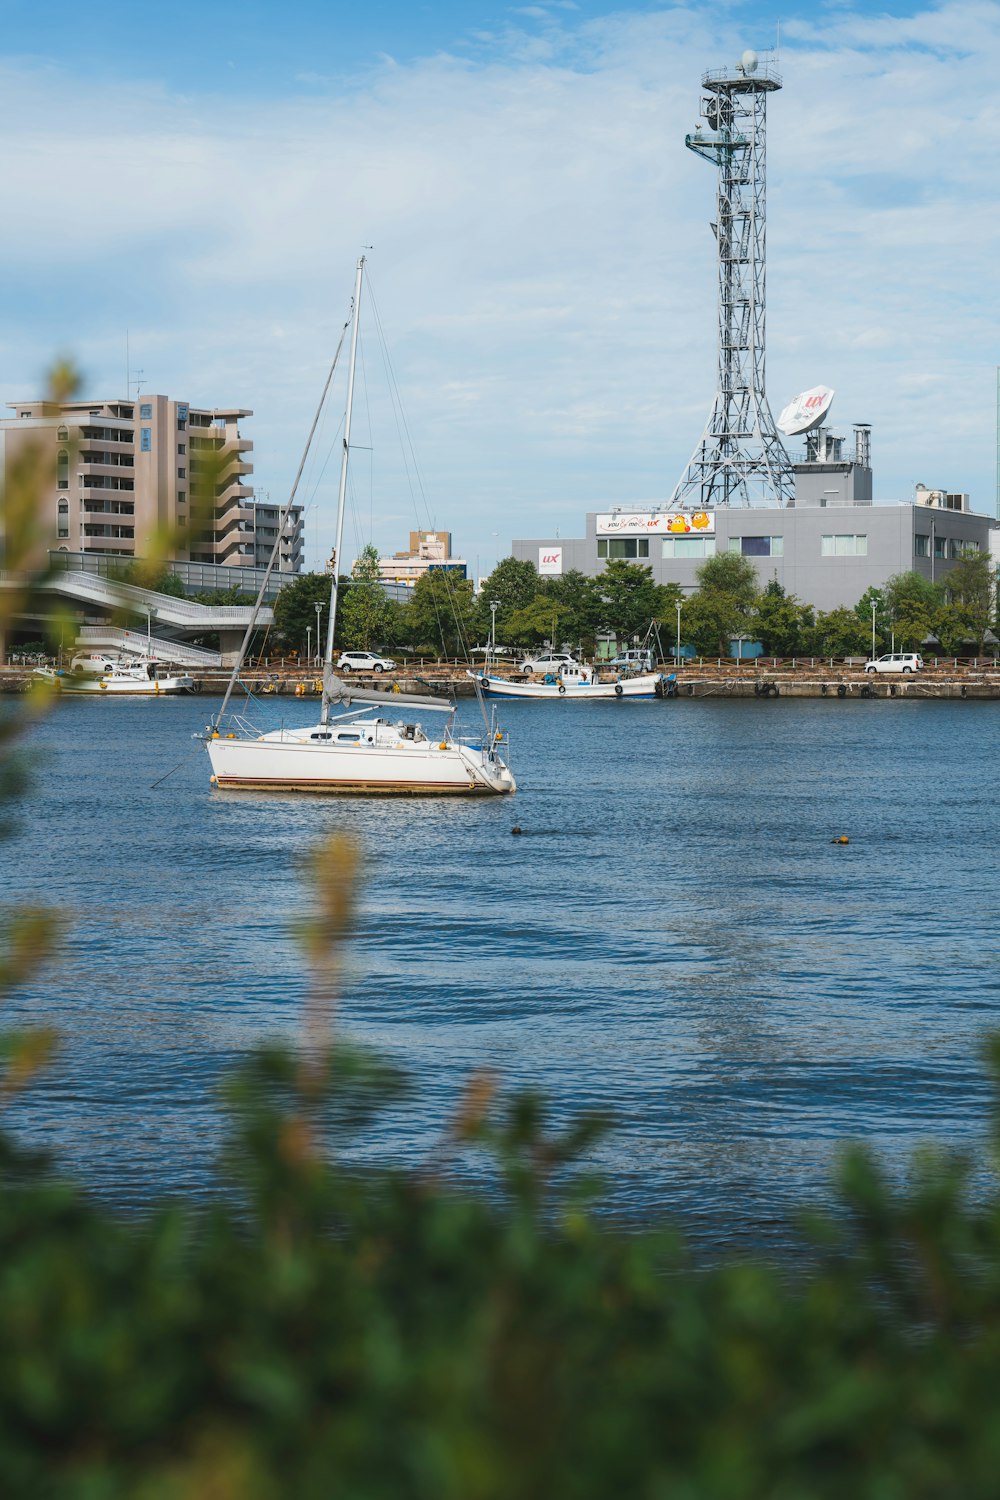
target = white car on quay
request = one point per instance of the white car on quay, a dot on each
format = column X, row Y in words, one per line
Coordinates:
column 896, row 661
column 553, row 662
column 364, row 661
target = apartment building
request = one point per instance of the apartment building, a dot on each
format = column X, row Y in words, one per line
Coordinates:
column 430, row 552
column 126, row 470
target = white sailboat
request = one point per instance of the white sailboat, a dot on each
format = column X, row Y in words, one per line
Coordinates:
column 370, row 751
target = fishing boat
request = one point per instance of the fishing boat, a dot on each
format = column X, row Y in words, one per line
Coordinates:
column 575, row 681
column 371, row 750
column 140, row 677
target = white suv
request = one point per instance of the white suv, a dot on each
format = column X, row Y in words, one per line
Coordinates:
column 363, row 661
column 896, row 661
column 553, row 662
column 633, row 661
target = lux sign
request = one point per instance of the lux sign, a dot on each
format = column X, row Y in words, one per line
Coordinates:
column 658, row 523
column 550, row 561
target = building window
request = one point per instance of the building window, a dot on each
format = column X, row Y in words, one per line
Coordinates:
column 688, row 546
column 181, row 447
column 146, row 411
column 182, row 473
column 758, row 546
column 63, row 435
column 26, row 414
column 62, row 470
column 181, row 497
column 623, row 546
column 921, row 545
column 844, row 545
column 145, row 439
column 182, row 520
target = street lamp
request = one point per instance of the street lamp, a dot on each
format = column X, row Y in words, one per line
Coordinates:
column 873, row 629
column 319, row 611
column 309, row 642
column 677, row 653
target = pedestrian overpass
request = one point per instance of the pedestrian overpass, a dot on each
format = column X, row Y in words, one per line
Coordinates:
column 169, row 619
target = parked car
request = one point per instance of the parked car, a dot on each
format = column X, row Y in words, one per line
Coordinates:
column 633, row 661
column 896, row 661
column 553, row 662
column 363, row 661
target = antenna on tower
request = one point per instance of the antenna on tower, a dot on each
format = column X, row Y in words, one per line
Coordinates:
column 740, row 457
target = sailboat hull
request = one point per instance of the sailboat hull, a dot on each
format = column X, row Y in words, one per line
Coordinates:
column 393, row 771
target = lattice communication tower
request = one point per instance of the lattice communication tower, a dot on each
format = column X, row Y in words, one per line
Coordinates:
column 740, row 458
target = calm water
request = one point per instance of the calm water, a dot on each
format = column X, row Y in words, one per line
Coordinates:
column 674, row 937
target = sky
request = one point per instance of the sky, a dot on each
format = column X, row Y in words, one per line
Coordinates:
column 186, row 190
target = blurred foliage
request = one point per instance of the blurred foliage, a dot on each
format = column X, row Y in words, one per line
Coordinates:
column 320, row 1327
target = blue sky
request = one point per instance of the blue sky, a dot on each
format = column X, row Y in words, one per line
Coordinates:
column 204, row 177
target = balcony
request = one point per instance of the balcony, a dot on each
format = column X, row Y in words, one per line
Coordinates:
column 91, row 467
column 108, row 491
column 92, row 507
column 91, row 459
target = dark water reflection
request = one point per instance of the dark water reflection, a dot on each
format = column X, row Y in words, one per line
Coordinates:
column 674, row 938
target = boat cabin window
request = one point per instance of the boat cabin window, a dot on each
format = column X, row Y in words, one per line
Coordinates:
column 321, row 736
column 353, row 738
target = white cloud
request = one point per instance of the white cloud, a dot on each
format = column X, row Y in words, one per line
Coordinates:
column 543, row 262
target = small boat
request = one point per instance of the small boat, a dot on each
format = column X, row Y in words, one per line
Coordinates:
column 354, row 752
column 140, row 677
column 574, row 682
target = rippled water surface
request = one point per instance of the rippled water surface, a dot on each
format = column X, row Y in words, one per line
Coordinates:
column 673, row 937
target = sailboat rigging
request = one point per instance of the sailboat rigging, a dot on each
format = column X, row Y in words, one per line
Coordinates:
column 356, row 752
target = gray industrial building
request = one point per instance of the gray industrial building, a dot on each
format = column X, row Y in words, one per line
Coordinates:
column 827, row 547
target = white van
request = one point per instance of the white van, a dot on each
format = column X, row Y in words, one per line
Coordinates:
column 896, row 661
column 633, row 661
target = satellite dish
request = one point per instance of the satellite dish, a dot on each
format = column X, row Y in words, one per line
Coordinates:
column 806, row 411
column 749, row 61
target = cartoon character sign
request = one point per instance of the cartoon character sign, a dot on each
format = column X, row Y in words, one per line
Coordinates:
column 679, row 523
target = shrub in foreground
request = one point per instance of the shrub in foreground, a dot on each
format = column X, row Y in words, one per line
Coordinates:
column 324, row 1331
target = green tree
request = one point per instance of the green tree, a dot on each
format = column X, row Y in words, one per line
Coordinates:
column 912, row 604
column 875, row 598
column 711, row 621
column 970, row 589
column 441, row 613
column 365, row 615
column 513, row 584
column 722, row 606
column 295, row 611
column 781, row 621
column 837, row 633
column 580, row 597
column 730, row 574
column 543, row 619
column 627, row 598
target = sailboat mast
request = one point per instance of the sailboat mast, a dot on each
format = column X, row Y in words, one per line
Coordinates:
column 342, row 493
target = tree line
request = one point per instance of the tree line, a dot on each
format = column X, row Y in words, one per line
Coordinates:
column 443, row 616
